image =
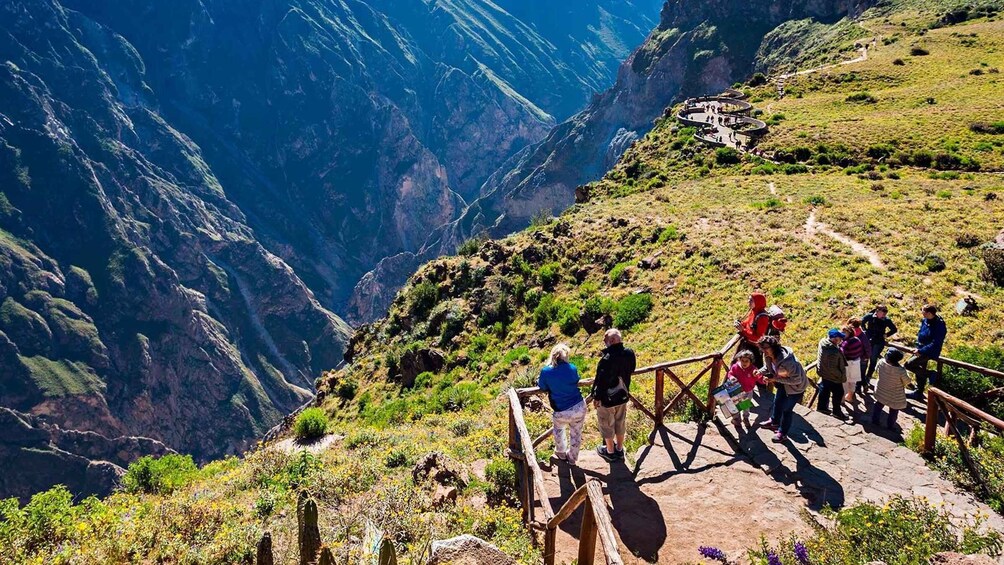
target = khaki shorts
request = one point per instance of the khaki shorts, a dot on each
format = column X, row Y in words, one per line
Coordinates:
column 612, row 421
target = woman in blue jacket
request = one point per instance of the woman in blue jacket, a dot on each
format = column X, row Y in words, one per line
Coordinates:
column 930, row 340
column 561, row 381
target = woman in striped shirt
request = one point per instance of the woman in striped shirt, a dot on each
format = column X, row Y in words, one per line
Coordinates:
column 853, row 350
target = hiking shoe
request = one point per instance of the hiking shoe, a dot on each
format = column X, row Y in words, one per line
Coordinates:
column 606, row 456
column 561, row 456
column 770, row 425
column 825, row 411
column 779, row 438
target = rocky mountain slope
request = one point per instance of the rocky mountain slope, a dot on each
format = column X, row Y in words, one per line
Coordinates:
column 668, row 247
column 695, row 50
column 189, row 190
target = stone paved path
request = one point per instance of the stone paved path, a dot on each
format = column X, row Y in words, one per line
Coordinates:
column 709, row 485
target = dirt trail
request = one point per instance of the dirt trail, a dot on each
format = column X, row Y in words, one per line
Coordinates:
column 813, row 226
column 773, row 189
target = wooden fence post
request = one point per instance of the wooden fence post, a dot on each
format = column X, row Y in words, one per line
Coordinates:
column 931, row 422
column 716, row 376
column 549, row 542
column 521, row 467
column 587, row 535
column 660, row 396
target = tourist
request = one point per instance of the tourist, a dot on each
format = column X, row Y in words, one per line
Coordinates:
column 890, row 391
column 744, row 372
column 879, row 328
column 560, row 379
column 853, row 351
column 866, row 346
column 831, row 366
column 930, row 339
column 754, row 325
column 780, row 366
column 610, row 394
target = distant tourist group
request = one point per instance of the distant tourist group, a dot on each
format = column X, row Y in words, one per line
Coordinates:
column 847, row 359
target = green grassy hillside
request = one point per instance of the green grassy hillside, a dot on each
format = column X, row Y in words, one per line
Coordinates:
column 429, row 377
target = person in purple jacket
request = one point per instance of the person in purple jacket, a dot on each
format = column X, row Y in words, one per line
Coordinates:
column 930, row 340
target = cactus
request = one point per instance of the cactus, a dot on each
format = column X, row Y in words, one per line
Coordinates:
column 387, row 555
column 264, row 552
column 308, row 536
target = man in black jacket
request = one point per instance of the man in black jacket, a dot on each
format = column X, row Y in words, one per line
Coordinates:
column 610, row 394
column 879, row 328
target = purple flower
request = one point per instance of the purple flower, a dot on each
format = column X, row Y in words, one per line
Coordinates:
column 801, row 553
column 772, row 558
column 712, row 553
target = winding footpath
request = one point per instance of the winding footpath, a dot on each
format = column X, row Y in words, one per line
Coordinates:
column 814, row 226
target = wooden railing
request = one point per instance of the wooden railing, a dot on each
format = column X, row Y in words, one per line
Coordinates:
column 596, row 520
column 957, row 411
column 941, row 362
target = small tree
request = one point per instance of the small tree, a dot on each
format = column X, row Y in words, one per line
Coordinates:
column 310, row 424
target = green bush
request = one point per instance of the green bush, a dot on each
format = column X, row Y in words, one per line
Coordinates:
column 568, row 320
column 903, row 531
column 669, row 234
column 347, row 389
column 772, row 202
column 398, row 457
column 861, row 97
column 362, row 438
column 919, row 51
column 501, row 477
column 421, row 299
column 549, row 275
column 597, row 307
column 159, row 475
column 620, row 273
column 632, row 310
column 545, row 312
column 310, row 424
column 471, row 246
column 816, row 200
column 727, row 156
column 970, row 386
column 794, row 169
column 45, row 522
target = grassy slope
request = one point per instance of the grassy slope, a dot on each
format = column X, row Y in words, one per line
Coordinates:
column 731, row 243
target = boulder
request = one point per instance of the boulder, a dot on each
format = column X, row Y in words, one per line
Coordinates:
column 583, row 194
column 444, row 496
column 967, row 306
column 467, row 550
column 418, row 361
column 436, row 466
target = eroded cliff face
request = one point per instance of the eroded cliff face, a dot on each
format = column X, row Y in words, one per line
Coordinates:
column 134, row 298
column 189, row 189
column 698, row 48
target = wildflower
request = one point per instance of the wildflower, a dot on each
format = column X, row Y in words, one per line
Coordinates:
column 801, row 553
column 712, row 553
column 773, row 559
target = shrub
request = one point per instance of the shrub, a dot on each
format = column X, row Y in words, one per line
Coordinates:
column 772, row 202
column 632, row 310
column 802, row 154
column 310, row 424
column 758, row 79
column 993, row 258
column 568, row 320
column 868, row 532
column 501, row 477
column 471, row 246
column 861, row 97
column 362, row 438
column 549, row 274
column 794, row 169
column 620, row 273
column 898, row 62
column 421, row 299
column 970, row 386
column 967, row 240
column 922, row 158
column 919, row 51
column 995, row 128
column 934, row 263
column 816, row 200
column 727, row 156
column 159, row 475
column 597, row 307
column 545, row 312
column 347, row 390
column 398, row 457
column 881, row 151
column 669, row 234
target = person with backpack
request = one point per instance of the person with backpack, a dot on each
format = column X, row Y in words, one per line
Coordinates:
column 754, row 326
column 930, row 340
column 831, row 366
column 610, row 394
column 780, row 366
column 879, row 329
column 560, row 379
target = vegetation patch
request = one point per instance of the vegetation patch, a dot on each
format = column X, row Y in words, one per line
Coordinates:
column 310, row 424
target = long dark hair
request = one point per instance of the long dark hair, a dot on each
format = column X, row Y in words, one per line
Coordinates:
column 773, row 344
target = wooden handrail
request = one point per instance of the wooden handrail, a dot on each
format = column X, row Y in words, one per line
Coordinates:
column 596, row 523
column 529, row 456
column 677, row 363
column 966, row 407
column 953, row 362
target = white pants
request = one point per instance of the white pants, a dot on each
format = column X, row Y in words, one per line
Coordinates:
column 573, row 418
column 853, row 376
